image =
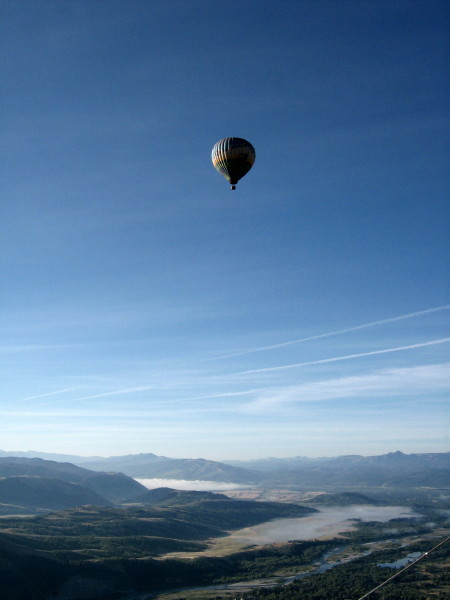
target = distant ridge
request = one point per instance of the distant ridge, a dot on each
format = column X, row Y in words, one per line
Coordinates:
column 72, row 458
column 151, row 466
column 394, row 469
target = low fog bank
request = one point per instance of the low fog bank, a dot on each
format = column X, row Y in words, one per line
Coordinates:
column 185, row 485
column 328, row 522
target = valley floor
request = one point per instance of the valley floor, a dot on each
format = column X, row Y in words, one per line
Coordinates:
column 183, row 552
column 426, row 582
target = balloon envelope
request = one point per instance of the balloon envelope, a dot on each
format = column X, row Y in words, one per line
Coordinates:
column 233, row 157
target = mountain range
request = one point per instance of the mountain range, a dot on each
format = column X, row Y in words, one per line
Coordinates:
column 394, row 469
column 113, row 477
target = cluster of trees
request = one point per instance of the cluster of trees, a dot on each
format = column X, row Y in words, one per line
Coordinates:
column 120, row 576
column 116, row 577
column 395, row 528
column 183, row 523
column 428, row 579
column 56, row 552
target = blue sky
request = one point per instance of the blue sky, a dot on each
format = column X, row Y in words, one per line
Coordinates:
column 148, row 308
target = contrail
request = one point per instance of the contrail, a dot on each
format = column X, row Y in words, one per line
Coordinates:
column 347, row 357
column 147, row 388
column 132, row 390
column 339, row 332
column 51, row 393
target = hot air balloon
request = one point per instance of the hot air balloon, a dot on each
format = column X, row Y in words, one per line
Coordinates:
column 233, row 157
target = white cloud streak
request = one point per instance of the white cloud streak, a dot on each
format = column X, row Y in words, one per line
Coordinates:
column 147, row 388
column 56, row 393
column 338, row 332
column 130, row 390
column 386, row 382
column 346, row 357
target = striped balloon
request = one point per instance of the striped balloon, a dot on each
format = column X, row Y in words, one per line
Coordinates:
column 233, row 157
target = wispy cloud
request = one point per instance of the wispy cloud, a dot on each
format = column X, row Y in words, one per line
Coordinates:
column 346, row 357
column 55, row 393
column 165, row 401
column 338, row 332
column 391, row 382
column 192, row 405
column 121, row 392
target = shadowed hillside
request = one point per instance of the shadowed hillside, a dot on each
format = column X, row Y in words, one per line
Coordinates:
column 111, row 487
column 46, row 493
